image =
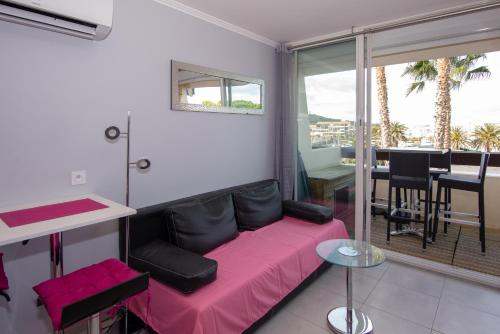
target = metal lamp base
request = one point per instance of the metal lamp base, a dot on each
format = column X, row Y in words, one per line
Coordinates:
column 337, row 322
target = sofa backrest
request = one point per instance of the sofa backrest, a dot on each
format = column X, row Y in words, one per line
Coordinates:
column 149, row 222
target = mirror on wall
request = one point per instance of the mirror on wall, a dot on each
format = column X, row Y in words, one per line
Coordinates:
column 198, row 88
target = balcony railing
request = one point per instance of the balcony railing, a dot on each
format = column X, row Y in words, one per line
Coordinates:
column 457, row 157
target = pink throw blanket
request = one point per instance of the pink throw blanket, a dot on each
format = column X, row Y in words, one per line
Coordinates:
column 255, row 271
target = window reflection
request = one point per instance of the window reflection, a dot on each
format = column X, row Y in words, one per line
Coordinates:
column 214, row 91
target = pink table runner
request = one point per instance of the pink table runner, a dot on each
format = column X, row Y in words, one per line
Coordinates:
column 48, row 212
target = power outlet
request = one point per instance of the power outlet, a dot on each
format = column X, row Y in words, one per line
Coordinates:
column 78, row 177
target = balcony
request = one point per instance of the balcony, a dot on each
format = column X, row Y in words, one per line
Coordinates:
column 460, row 247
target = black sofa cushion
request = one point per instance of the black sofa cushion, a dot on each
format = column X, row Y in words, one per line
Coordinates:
column 258, row 207
column 202, row 225
column 173, row 266
column 307, row 211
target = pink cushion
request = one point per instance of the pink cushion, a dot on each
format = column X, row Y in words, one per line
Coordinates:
column 4, row 282
column 255, row 271
column 80, row 284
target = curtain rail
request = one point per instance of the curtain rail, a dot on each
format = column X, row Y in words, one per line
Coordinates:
column 396, row 25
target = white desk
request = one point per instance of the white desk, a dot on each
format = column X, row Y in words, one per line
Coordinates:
column 55, row 227
column 12, row 235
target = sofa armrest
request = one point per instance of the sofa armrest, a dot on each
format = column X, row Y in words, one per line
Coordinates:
column 311, row 212
column 181, row 269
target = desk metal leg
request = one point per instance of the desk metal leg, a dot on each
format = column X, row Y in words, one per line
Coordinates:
column 56, row 255
column 347, row 320
column 94, row 324
column 56, row 258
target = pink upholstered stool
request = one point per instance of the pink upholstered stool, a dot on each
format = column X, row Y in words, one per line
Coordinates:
column 86, row 292
column 4, row 282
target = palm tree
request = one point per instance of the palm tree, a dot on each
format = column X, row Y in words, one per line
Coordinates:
column 450, row 73
column 487, row 137
column 383, row 100
column 398, row 131
column 376, row 133
column 458, row 138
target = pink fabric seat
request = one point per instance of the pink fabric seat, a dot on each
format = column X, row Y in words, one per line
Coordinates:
column 60, row 292
column 255, row 271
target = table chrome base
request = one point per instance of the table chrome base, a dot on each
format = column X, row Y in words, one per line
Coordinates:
column 337, row 322
column 412, row 230
column 409, row 229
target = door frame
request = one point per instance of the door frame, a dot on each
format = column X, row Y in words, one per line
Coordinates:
column 363, row 138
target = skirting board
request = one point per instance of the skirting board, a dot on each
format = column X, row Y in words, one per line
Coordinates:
column 445, row 269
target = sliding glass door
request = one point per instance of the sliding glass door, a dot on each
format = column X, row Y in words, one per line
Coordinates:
column 331, row 159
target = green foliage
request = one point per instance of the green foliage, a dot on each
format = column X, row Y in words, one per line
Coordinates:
column 243, row 104
column 487, row 137
column 398, row 133
column 376, row 135
column 461, row 71
column 208, row 103
column 458, row 138
column 313, row 119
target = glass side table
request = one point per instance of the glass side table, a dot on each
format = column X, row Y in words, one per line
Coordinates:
column 349, row 254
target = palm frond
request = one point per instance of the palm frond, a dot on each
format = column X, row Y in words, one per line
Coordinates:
column 421, row 70
column 461, row 67
column 417, row 87
column 455, row 84
column 480, row 72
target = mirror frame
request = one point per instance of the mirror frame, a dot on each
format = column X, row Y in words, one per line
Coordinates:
column 174, row 97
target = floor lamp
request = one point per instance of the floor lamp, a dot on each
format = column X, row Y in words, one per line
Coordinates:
column 113, row 133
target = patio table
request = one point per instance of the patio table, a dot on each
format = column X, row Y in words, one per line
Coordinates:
column 412, row 228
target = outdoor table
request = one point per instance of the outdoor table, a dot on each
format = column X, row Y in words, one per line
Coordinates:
column 411, row 228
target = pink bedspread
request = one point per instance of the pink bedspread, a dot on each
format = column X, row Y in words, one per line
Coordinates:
column 255, row 271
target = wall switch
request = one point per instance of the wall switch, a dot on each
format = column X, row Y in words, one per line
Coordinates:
column 78, row 177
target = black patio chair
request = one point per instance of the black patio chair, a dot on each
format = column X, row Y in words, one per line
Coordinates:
column 409, row 171
column 458, row 182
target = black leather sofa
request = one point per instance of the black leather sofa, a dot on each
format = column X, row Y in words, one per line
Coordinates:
column 168, row 240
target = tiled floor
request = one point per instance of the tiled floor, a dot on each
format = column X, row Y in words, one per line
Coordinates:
column 398, row 299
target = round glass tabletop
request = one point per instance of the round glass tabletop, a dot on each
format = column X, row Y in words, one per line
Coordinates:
column 350, row 253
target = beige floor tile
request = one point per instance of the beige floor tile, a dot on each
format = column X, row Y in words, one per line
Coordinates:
column 286, row 322
column 404, row 303
column 314, row 303
column 453, row 318
column 474, row 295
column 415, row 279
column 334, row 282
column 387, row 323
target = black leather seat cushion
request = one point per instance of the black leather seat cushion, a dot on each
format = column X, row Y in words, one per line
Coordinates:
column 258, row 207
column 201, row 225
column 460, row 182
column 307, row 211
column 173, row 266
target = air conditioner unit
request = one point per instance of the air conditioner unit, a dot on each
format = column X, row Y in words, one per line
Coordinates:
column 90, row 19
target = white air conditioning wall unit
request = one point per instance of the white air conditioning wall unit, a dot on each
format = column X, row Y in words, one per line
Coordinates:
column 89, row 19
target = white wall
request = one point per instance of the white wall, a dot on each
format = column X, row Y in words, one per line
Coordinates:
column 59, row 93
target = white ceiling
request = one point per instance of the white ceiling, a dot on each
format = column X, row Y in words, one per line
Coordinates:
column 294, row 20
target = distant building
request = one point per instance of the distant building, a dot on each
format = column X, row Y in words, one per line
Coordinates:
column 332, row 133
